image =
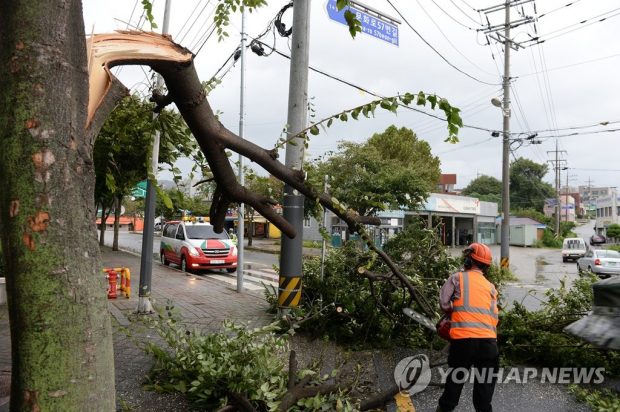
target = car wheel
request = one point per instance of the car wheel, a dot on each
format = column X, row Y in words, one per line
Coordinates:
column 164, row 261
column 579, row 269
column 590, row 269
column 231, row 270
column 183, row 264
column 564, row 260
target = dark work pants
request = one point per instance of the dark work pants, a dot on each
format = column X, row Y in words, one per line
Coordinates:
column 465, row 353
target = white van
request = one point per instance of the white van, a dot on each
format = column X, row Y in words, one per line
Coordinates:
column 573, row 248
column 195, row 246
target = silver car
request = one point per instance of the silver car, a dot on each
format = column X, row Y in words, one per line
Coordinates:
column 600, row 262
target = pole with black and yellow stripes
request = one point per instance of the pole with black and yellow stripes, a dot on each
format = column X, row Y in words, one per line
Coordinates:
column 289, row 293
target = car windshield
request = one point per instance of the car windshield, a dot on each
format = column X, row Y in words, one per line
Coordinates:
column 573, row 244
column 608, row 254
column 204, row 232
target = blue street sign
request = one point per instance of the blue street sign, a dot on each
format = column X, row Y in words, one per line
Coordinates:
column 371, row 25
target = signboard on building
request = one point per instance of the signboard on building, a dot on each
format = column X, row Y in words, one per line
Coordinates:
column 371, row 23
column 453, row 204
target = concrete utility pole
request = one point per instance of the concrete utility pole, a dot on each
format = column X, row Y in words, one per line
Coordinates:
column 146, row 258
column 241, row 209
column 505, row 248
column 558, row 207
column 289, row 292
column 494, row 33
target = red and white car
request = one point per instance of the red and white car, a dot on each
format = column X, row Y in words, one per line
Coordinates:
column 195, row 246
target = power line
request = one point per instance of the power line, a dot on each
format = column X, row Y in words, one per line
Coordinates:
column 193, row 23
column 451, row 17
column 360, row 88
column 558, row 8
column 193, row 13
column 577, row 26
column 448, row 40
column 435, row 50
column 581, row 133
column 466, row 14
column 570, row 65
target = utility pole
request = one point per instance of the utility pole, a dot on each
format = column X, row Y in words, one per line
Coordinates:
column 241, row 209
column 289, row 291
column 556, row 164
column 146, row 258
column 324, row 245
column 494, row 33
column 505, row 247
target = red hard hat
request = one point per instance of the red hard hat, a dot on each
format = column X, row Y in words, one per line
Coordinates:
column 480, row 253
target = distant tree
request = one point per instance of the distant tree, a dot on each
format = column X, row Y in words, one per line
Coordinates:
column 123, row 149
column 390, row 169
column 527, row 189
column 532, row 214
column 483, row 185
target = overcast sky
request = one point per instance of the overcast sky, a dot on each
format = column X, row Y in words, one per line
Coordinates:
column 576, row 85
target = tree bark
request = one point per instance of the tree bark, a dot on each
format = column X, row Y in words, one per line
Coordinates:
column 118, row 200
column 61, row 340
column 250, row 225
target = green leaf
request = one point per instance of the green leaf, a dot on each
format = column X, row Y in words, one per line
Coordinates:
column 433, row 100
column 344, row 117
column 421, row 99
column 329, row 122
column 314, row 130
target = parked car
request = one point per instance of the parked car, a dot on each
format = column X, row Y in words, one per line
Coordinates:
column 600, row 262
column 573, row 248
column 195, row 246
column 597, row 239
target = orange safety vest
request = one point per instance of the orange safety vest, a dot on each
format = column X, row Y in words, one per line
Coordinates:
column 474, row 313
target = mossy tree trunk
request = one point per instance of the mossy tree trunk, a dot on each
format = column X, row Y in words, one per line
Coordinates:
column 60, row 328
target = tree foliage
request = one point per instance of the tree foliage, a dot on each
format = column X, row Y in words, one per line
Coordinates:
column 390, row 169
column 527, row 189
column 613, row 231
column 483, row 185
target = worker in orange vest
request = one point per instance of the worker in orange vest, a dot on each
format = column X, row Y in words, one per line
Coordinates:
column 471, row 301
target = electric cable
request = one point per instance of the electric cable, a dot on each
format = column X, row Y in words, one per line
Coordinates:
column 466, row 14
column 450, row 42
column 193, row 13
column 436, row 51
column 360, row 88
column 558, row 8
column 571, row 65
column 451, row 17
column 577, row 26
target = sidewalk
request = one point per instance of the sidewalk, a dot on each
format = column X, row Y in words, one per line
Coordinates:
column 273, row 246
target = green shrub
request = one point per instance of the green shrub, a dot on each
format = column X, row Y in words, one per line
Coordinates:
column 613, row 231
column 549, row 240
column 238, row 360
column 604, row 400
column 418, row 253
column 537, row 337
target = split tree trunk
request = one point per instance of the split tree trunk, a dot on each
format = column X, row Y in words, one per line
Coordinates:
column 61, row 340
